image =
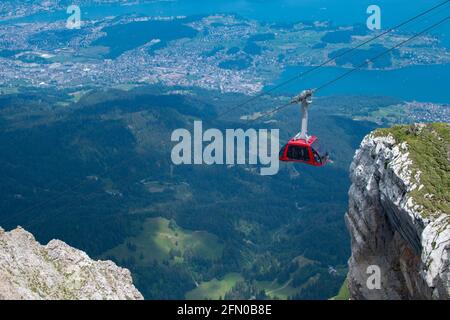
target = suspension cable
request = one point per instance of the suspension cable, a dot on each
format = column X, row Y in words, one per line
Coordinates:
column 332, row 59
column 321, row 87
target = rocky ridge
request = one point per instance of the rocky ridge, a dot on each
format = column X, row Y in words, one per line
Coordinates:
column 398, row 214
column 29, row 270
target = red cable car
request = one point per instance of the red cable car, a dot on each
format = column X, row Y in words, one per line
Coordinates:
column 303, row 148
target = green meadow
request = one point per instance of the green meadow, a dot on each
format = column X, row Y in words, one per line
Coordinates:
column 214, row 289
column 161, row 239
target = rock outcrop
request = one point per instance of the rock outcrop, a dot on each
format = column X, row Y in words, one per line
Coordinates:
column 29, row 270
column 398, row 215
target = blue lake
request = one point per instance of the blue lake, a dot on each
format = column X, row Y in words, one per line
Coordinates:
column 421, row 83
column 340, row 12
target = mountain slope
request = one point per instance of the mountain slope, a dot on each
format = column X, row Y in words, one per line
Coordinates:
column 399, row 217
column 29, row 270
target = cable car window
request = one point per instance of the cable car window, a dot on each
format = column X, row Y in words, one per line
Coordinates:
column 281, row 155
column 317, row 157
column 298, row 153
column 317, row 146
column 321, row 151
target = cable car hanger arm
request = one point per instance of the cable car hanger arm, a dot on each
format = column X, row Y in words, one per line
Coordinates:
column 304, row 99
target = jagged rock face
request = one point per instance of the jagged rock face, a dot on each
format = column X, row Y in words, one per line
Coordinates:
column 387, row 229
column 29, row 270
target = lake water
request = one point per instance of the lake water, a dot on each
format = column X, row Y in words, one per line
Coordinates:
column 421, row 83
column 338, row 11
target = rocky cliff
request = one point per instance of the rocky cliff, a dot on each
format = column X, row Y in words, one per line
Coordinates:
column 399, row 214
column 29, row 270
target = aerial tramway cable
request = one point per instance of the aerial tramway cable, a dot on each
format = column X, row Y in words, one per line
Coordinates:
column 321, row 87
column 298, row 76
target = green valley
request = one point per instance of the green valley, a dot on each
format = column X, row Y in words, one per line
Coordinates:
column 162, row 240
column 98, row 163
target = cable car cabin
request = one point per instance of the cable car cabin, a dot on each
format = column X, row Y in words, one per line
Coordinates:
column 304, row 148
column 305, row 151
